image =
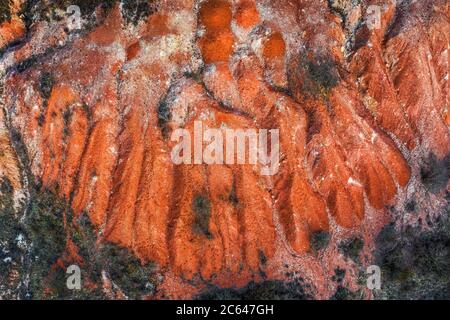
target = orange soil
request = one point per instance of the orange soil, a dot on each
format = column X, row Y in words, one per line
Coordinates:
column 112, row 159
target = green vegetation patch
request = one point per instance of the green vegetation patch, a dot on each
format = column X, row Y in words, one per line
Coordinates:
column 323, row 71
column 435, row 173
column 415, row 264
column 133, row 11
column 202, row 209
column 5, row 11
column 351, row 248
column 266, row 290
column 320, row 240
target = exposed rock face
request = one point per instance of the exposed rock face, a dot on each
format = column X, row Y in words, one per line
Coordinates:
column 360, row 109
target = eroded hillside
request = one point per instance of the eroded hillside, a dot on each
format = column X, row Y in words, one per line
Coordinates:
column 85, row 147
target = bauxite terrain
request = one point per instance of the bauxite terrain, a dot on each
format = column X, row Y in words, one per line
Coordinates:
column 85, row 148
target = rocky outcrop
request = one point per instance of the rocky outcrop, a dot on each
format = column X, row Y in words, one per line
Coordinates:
column 360, row 110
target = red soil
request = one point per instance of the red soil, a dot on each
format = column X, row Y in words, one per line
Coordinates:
column 343, row 146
